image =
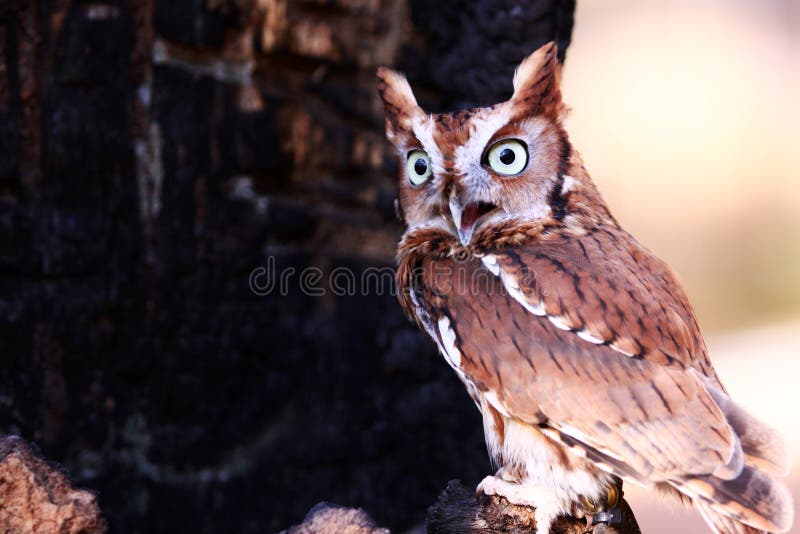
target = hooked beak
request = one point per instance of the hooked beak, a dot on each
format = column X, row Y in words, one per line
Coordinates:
column 467, row 217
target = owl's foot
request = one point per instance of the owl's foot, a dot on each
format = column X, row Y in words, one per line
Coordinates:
column 547, row 505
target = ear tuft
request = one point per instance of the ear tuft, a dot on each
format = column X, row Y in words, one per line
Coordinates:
column 536, row 82
column 399, row 104
column 394, row 89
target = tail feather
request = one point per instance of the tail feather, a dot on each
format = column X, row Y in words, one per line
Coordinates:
column 762, row 446
column 722, row 524
column 754, row 498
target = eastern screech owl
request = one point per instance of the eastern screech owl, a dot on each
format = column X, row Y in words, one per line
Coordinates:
column 578, row 346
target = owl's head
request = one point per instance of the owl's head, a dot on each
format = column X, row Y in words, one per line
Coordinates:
column 461, row 171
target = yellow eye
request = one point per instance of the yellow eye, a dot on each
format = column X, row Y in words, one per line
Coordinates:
column 418, row 167
column 508, row 157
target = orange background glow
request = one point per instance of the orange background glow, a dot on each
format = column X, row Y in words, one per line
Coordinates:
column 687, row 115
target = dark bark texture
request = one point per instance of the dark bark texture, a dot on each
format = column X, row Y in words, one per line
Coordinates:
column 153, row 153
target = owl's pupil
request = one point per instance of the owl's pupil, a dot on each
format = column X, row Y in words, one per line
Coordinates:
column 507, row 156
column 420, row 166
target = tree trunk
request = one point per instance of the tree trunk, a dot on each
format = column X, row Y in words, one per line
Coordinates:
column 158, row 160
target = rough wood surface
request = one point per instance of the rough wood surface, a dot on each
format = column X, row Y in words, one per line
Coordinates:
column 37, row 498
column 459, row 511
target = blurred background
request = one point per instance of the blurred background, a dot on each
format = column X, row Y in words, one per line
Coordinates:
column 154, row 153
column 685, row 114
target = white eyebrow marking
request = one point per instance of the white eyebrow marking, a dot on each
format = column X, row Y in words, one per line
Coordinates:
column 483, row 125
column 423, row 126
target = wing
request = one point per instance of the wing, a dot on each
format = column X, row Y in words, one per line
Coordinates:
column 566, row 335
column 608, row 289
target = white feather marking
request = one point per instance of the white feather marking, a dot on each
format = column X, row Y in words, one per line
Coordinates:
column 551, row 433
column 575, row 448
column 578, row 451
column 575, row 433
column 491, row 397
column 621, row 351
column 513, row 290
column 423, row 314
column 559, row 322
column 604, row 467
column 538, row 308
column 446, row 343
column 585, row 335
column 448, row 335
column 491, row 263
column 568, row 185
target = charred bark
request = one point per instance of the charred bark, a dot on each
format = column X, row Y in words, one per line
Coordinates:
column 153, row 155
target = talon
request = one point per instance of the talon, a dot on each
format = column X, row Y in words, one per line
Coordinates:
column 612, row 516
column 487, row 486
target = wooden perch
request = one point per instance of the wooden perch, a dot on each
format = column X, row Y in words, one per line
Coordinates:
column 459, row 511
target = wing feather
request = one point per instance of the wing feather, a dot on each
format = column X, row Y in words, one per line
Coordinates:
column 645, row 415
column 754, row 498
column 606, row 359
column 610, row 290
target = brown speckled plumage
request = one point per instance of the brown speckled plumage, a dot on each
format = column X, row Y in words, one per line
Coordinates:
column 577, row 344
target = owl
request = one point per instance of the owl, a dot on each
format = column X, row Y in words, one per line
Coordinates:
column 577, row 344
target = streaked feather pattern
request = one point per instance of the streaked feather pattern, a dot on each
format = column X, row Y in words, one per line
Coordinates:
column 577, row 344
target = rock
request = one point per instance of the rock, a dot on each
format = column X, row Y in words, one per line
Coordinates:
column 36, row 497
column 327, row 518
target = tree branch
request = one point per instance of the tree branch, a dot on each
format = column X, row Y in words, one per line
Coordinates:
column 459, row 511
